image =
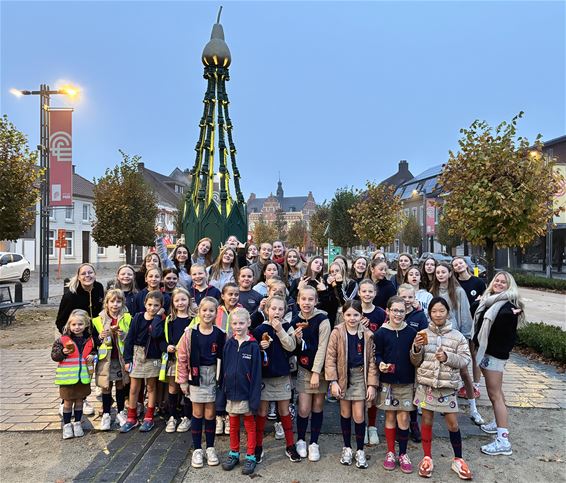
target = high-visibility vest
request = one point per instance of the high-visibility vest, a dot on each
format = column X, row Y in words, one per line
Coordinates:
column 165, row 355
column 106, row 348
column 73, row 368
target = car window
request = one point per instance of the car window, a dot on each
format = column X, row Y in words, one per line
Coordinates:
column 5, row 259
column 16, row 257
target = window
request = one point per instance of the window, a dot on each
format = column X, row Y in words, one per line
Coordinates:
column 122, row 252
column 101, row 251
column 179, row 189
column 51, row 214
column 86, row 212
column 292, row 209
column 69, row 212
column 16, row 257
column 51, row 243
column 69, row 249
column 161, row 218
column 414, row 212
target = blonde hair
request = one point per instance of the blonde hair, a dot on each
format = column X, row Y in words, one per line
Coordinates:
column 309, row 287
column 200, row 265
column 239, row 313
column 405, row 286
column 512, row 290
column 115, row 293
column 77, row 314
column 176, row 292
column 117, row 284
column 271, row 299
column 343, row 271
column 74, row 282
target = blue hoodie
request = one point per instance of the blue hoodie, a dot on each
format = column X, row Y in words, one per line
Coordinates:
column 417, row 320
column 242, row 372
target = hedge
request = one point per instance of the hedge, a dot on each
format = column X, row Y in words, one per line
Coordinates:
column 548, row 340
column 526, row 280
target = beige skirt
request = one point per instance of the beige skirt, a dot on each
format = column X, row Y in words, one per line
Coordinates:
column 205, row 392
column 237, row 407
column 276, row 388
column 144, row 368
column 304, row 382
column 395, row 397
column 437, row 400
column 356, row 390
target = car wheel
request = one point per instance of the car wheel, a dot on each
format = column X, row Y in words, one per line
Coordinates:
column 25, row 276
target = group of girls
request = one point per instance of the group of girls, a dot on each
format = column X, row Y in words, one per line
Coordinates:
column 227, row 350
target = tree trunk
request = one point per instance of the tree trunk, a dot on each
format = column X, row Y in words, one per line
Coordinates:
column 490, row 258
column 129, row 254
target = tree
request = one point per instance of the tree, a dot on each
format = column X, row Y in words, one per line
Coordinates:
column 341, row 226
column 499, row 189
column 19, row 182
column 264, row 232
column 445, row 238
column 319, row 221
column 125, row 206
column 280, row 225
column 178, row 225
column 377, row 216
column 297, row 234
column 412, row 234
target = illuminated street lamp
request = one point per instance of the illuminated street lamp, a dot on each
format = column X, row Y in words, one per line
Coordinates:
column 44, row 92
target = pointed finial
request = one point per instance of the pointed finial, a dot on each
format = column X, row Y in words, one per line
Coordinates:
column 219, row 13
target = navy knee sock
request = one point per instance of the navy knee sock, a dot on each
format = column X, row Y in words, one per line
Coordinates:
column 187, row 407
column 210, row 431
column 403, row 438
column 413, row 416
column 346, row 425
column 67, row 417
column 302, row 424
column 120, row 399
column 106, row 403
column 196, row 431
column 456, row 442
column 316, row 424
column 360, row 429
column 78, row 414
column 173, row 399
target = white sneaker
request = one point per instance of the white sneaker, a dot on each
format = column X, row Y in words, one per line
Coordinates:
column 212, row 457
column 499, row 446
column 219, row 425
column 106, row 422
column 184, row 425
column 476, row 418
column 361, row 461
column 346, row 458
column 68, row 431
column 171, row 425
column 373, row 436
column 366, row 436
column 61, row 409
column 272, row 413
column 122, row 417
column 78, row 429
column 227, row 425
column 197, row 460
column 314, row 452
column 489, row 428
column 279, row 433
column 88, row 410
column 301, row 446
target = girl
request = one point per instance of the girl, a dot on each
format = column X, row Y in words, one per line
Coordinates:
column 314, row 277
column 151, row 260
column 414, row 278
column 350, row 368
column 142, row 355
column 109, row 331
column 268, row 271
column 293, row 268
column 446, row 286
column 359, row 268
column 200, row 287
column 383, row 287
column 242, row 386
column 428, row 268
column 251, row 254
column 170, row 278
column 373, row 318
column 501, row 309
column 312, row 331
column 439, row 353
column 180, row 258
column 224, row 269
column 378, row 255
column 403, row 264
column 276, row 340
column 239, row 248
column 278, row 252
column 153, row 283
column 74, row 351
column 175, row 325
column 203, row 252
column 126, row 281
column 249, row 298
column 397, row 376
column 199, row 360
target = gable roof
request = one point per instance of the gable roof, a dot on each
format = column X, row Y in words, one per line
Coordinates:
column 82, row 187
column 162, row 186
column 425, row 182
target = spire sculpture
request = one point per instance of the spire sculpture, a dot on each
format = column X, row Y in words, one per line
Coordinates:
column 210, row 210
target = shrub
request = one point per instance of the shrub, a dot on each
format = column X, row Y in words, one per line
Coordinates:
column 526, row 280
column 548, row 340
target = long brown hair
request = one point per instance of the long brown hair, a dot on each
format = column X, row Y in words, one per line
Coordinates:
column 452, row 285
column 400, row 276
column 216, row 267
column 208, row 257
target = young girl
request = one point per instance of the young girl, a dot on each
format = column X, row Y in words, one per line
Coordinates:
column 153, row 282
column 251, row 254
column 312, row 331
column 276, row 340
column 242, row 385
column 109, row 331
column 249, row 298
column 203, row 252
column 397, row 376
column 74, row 351
column 268, row 271
column 403, row 264
column 383, row 287
column 151, row 260
column 175, row 325
column 422, row 295
column 142, row 355
column 170, row 278
column 446, row 286
column 350, row 368
column 200, row 287
column 126, row 281
column 224, row 269
column 199, row 359
column 427, row 272
column 180, row 258
column 439, row 353
column 314, row 277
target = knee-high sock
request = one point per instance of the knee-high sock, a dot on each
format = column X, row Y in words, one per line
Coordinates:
column 287, row 423
column 196, row 431
column 187, row 407
column 456, row 442
column 390, row 434
column 413, row 415
column 360, row 429
column 302, row 424
column 120, row 399
column 249, row 424
column 403, row 438
column 106, row 403
column 346, row 426
column 235, row 433
column 426, row 434
column 210, row 431
column 316, row 425
column 173, row 401
column 372, row 415
column 260, row 427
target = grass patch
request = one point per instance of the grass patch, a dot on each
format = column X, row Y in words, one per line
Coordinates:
column 548, row 340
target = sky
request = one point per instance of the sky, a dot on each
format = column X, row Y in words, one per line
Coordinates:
column 324, row 94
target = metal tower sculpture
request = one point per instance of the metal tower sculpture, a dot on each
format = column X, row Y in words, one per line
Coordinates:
column 210, row 210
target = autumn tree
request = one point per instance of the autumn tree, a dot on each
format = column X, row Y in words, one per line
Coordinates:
column 412, row 234
column 297, row 234
column 263, row 232
column 446, row 238
column 319, row 221
column 499, row 188
column 341, row 228
column 19, row 182
column 377, row 216
column 280, row 225
column 125, row 206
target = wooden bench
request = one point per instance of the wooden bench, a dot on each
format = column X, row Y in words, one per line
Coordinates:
column 8, row 307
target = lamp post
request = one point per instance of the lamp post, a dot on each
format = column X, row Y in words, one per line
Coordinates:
column 44, row 92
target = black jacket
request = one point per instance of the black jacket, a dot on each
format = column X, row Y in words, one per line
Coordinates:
column 90, row 301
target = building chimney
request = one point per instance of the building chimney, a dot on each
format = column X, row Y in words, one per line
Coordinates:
column 141, row 165
column 403, row 167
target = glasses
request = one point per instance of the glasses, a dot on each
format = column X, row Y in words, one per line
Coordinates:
column 398, row 311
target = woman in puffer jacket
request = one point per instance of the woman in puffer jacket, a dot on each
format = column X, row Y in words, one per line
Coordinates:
column 438, row 353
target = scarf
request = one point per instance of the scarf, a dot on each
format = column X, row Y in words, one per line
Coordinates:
column 489, row 307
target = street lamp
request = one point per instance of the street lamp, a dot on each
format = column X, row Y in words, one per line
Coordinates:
column 44, row 92
column 423, row 217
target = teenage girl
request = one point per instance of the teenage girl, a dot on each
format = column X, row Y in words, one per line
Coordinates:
column 151, row 260
column 199, row 359
column 359, row 269
column 201, row 287
column 74, row 351
column 109, row 331
column 153, row 283
column 384, row 288
column 142, row 355
column 314, row 277
column 268, row 271
column 224, row 269
column 422, row 295
column 126, row 281
column 403, row 263
column 175, row 325
column 439, row 353
column 428, row 269
column 251, row 254
column 249, row 298
column 312, row 331
column 276, row 340
column 350, row 368
column 293, row 267
column 170, row 278
column 342, row 288
column 203, row 252
column 180, row 258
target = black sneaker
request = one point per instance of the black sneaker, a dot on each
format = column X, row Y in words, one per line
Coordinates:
column 415, row 432
column 292, row 454
column 259, row 454
column 249, row 465
column 231, row 461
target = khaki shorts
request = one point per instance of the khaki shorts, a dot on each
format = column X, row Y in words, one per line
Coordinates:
column 437, row 400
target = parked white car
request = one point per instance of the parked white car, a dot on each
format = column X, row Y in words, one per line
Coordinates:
column 14, row 267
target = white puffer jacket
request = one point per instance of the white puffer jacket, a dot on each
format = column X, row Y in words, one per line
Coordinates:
column 436, row 374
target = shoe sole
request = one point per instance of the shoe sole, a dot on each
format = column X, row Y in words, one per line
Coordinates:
column 314, row 460
column 425, row 475
column 182, row 430
column 503, row 453
column 197, row 465
column 388, row 469
column 461, row 476
column 212, row 463
column 361, row 467
column 345, row 463
column 167, row 430
column 407, row 472
column 291, row 458
column 489, row 432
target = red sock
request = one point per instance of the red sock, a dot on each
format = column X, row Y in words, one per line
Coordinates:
column 149, row 413
column 287, row 423
column 390, row 434
column 372, row 415
column 235, row 433
column 132, row 414
column 260, row 426
column 426, row 435
column 249, row 424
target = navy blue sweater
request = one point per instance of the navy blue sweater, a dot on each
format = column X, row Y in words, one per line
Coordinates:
column 209, row 291
column 417, row 320
column 173, row 331
column 139, row 305
column 242, row 372
column 145, row 333
column 307, row 350
column 393, row 346
column 250, row 300
column 385, row 290
column 275, row 363
column 376, row 318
